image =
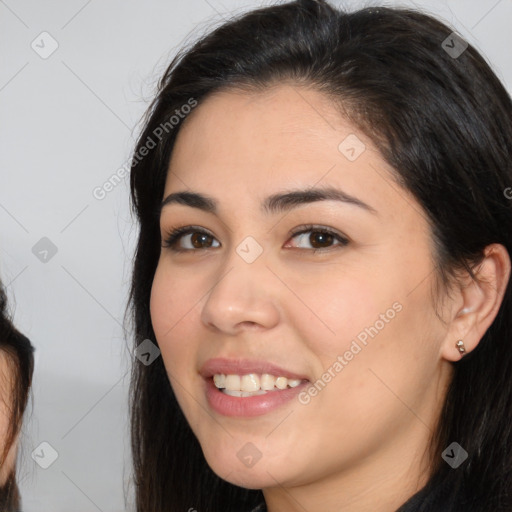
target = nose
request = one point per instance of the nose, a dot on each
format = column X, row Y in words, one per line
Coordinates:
column 243, row 296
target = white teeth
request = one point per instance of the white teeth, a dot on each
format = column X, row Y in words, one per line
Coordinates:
column 232, row 382
column 220, row 381
column 267, row 382
column 244, row 393
column 281, row 382
column 252, row 384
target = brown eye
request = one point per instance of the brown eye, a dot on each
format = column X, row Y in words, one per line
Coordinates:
column 320, row 238
column 196, row 237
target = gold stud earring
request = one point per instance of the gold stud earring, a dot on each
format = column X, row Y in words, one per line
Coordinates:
column 460, row 346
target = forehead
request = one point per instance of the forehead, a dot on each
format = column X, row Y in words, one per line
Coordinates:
column 256, row 143
column 290, row 121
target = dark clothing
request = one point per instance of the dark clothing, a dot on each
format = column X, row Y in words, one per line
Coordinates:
column 422, row 501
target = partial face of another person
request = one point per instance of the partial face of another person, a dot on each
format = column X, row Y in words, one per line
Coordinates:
column 301, row 291
column 6, row 404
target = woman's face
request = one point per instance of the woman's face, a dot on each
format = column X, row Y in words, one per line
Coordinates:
column 345, row 315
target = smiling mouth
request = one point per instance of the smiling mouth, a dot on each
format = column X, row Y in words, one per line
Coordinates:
column 253, row 384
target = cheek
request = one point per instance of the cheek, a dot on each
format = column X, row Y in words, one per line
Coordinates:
column 174, row 295
column 335, row 307
column 374, row 319
column 171, row 307
column 386, row 339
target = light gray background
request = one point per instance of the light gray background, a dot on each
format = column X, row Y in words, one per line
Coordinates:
column 67, row 123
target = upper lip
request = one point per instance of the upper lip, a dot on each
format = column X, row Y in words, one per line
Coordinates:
column 244, row 366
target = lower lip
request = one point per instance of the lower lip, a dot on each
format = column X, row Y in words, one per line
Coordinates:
column 250, row 405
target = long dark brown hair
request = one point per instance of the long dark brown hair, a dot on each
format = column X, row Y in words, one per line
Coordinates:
column 19, row 354
column 444, row 123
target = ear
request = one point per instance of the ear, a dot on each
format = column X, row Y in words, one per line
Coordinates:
column 477, row 302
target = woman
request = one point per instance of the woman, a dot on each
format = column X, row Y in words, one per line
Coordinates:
column 17, row 365
column 323, row 262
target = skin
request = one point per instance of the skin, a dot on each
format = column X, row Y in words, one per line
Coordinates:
column 5, row 416
column 359, row 444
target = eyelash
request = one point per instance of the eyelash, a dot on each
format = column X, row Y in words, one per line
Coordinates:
column 174, row 236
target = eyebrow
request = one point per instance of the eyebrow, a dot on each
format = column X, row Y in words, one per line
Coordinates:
column 272, row 205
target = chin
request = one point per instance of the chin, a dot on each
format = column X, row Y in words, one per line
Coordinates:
column 251, row 474
column 248, row 478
